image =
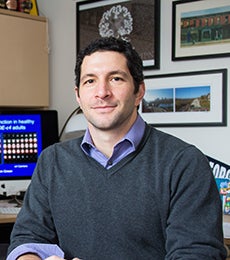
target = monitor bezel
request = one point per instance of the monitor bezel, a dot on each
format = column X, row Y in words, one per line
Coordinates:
column 49, row 129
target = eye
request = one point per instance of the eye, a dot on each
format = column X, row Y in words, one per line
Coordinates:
column 88, row 81
column 116, row 79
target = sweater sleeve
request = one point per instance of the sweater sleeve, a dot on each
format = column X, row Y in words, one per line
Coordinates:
column 34, row 223
column 194, row 194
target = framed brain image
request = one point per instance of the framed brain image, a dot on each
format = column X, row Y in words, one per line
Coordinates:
column 186, row 99
column 136, row 21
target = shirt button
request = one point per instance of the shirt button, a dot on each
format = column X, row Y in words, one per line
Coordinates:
column 110, row 162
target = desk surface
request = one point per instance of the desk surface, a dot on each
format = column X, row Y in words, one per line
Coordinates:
column 5, row 218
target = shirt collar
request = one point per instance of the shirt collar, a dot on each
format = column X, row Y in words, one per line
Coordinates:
column 134, row 135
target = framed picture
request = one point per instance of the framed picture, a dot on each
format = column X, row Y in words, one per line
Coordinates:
column 201, row 29
column 137, row 21
column 186, row 99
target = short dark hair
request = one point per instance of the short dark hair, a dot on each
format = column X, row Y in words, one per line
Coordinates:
column 134, row 62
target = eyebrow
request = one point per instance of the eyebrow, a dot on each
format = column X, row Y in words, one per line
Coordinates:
column 121, row 72
column 113, row 72
column 86, row 76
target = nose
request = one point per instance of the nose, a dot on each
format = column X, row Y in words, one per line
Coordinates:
column 103, row 90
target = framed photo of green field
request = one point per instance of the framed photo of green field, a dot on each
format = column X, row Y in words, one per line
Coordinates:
column 200, row 29
column 186, row 99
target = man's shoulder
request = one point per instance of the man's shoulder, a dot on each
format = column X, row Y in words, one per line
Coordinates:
column 160, row 140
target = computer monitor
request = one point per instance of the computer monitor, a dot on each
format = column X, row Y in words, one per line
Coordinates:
column 23, row 136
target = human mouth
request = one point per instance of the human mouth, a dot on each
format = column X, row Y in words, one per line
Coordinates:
column 104, row 109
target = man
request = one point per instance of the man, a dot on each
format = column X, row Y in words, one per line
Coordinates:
column 124, row 191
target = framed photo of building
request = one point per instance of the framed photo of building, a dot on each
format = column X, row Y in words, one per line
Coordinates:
column 201, row 29
column 137, row 21
column 186, row 99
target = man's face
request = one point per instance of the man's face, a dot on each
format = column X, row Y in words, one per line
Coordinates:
column 106, row 91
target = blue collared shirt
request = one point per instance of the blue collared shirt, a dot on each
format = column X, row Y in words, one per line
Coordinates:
column 125, row 146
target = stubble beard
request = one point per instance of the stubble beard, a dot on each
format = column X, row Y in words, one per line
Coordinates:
column 117, row 122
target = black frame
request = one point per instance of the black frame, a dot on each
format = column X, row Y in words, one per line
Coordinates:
column 49, row 129
column 216, row 80
column 203, row 35
column 144, row 37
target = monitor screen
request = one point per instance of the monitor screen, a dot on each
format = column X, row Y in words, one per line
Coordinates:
column 23, row 135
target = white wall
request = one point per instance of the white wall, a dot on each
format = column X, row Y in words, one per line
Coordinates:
column 213, row 141
column 61, row 29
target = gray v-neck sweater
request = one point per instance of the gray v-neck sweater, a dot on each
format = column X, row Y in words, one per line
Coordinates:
column 159, row 202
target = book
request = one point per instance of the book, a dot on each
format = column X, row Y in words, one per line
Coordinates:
column 221, row 172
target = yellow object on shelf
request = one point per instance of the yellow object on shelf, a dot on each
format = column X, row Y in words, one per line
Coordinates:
column 34, row 9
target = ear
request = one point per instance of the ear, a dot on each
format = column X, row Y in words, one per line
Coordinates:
column 140, row 94
column 77, row 95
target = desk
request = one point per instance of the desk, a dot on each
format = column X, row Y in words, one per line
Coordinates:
column 5, row 218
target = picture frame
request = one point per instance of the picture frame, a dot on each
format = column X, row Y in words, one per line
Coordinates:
column 200, row 29
column 122, row 19
column 186, row 99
